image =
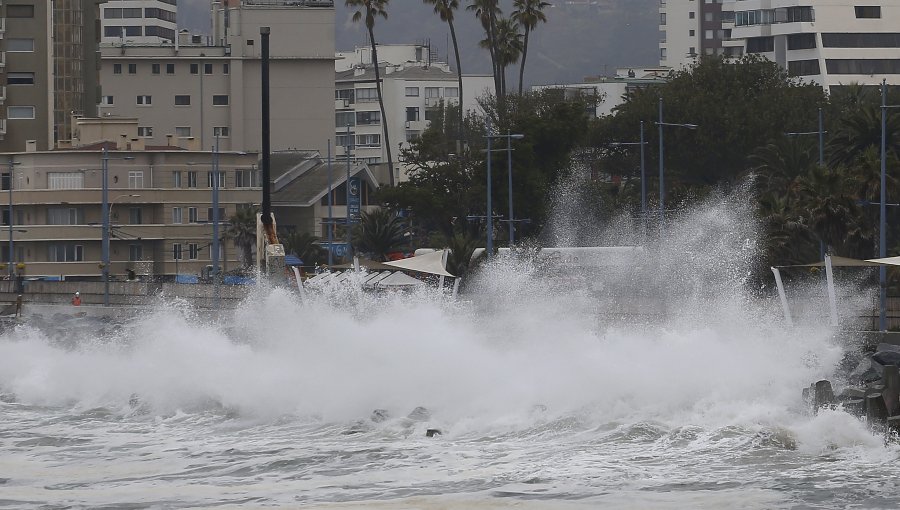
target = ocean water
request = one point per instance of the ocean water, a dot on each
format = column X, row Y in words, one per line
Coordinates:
column 545, row 395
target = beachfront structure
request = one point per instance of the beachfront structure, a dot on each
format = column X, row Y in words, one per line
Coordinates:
column 48, row 70
column 689, row 29
column 206, row 87
column 827, row 42
column 139, row 21
column 611, row 91
column 415, row 87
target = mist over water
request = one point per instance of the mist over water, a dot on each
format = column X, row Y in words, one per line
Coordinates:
column 663, row 382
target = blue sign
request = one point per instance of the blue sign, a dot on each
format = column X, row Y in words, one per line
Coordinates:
column 338, row 250
column 354, row 197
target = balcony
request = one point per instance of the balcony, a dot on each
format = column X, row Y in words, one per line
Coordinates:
column 341, row 104
column 415, row 125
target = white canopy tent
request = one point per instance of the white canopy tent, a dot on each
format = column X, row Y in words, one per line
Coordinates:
column 431, row 263
column 398, row 280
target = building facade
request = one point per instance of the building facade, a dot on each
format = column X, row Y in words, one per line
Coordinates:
column 159, row 209
column 690, row 28
column 48, row 70
column 210, row 88
column 827, row 42
column 139, row 21
column 611, row 91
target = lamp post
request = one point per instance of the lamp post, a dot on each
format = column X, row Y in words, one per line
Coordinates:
column 662, row 184
column 12, row 165
column 105, row 213
column 215, row 219
column 642, row 143
column 347, row 185
column 821, row 134
column 882, row 210
column 330, row 225
column 490, row 215
column 512, row 224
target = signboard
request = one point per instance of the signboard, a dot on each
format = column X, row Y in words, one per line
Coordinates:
column 338, row 250
column 354, row 197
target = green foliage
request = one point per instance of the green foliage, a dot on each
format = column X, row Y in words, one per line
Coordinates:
column 304, row 246
column 242, row 230
column 379, row 232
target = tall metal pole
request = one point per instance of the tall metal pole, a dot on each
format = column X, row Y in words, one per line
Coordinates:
column 509, row 160
column 821, row 164
column 882, row 237
column 216, row 219
column 490, row 216
column 643, row 178
column 264, row 33
column 330, row 225
column 662, row 184
column 11, row 247
column 347, row 185
column 105, row 213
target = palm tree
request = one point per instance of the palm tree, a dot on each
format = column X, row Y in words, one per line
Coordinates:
column 487, row 12
column 459, row 260
column 528, row 13
column 370, row 10
column 508, row 47
column 833, row 212
column 444, row 9
column 304, row 246
column 242, row 230
column 379, row 233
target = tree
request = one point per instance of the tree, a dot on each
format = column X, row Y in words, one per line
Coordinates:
column 242, row 230
column 445, row 9
column 487, row 12
column 508, row 48
column 304, row 246
column 461, row 246
column 528, row 13
column 380, row 232
column 370, row 10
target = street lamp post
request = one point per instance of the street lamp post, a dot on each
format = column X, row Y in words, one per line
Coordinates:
column 882, row 210
column 347, row 185
column 12, row 165
column 642, row 143
column 490, row 214
column 105, row 213
column 821, row 134
column 662, row 185
column 512, row 227
column 330, row 225
column 216, row 219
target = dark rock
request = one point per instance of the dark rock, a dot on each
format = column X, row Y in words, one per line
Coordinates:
column 824, row 395
column 867, row 371
column 419, row 414
column 380, row 415
column 891, row 393
column 887, row 357
column 893, row 424
column 852, row 394
column 855, row 406
column 887, row 347
column 876, row 412
column 432, row 432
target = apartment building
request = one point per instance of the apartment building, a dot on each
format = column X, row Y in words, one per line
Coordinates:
column 414, row 87
column 159, row 213
column 210, row 88
column 48, row 70
column 690, row 28
column 139, row 21
column 611, row 91
column 832, row 43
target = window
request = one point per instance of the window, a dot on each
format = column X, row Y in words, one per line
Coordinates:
column 64, row 216
column 211, row 219
column 182, row 100
column 412, row 91
column 865, row 11
column 220, row 181
column 155, row 68
column 692, row 33
column 192, row 215
column 65, row 180
column 145, row 131
column 692, row 15
column 801, row 41
column 117, row 68
column 193, row 251
column 692, row 51
column 864, row 40
column 195, row 68
column 707, row 34
column 192, row 179
column 65, row 252
column 432, row 92
column 432, row 114
column 412, row 114
column 220, row 100
column 662, row 18
column 107, row 100
column 136, row 179
column 662, row 53
column 177, row 216
column 226, row 68
column 804, row 67
column 373, row 140
column 112, row 13
column 20, row 112
column 863, row 66
column 760, row 44
column 145, row 100
column 451, row 92
column 707, row 16
column 176, row 179
column 20, row 79
column 345, row 141
column 368, row 118
column 244, row 178
column 132, row 68
column 135, row 252
column 413, row 135
column 19, row 11
column 221, row 131
column 366, row 95
column 132, row 13
column 20, row 45
column 134, row 215
column 207, row 68
column 176, row 251
column 170, row 68
column 183, row 131
column 346, row 94
column 344, row 119
column 113, row 31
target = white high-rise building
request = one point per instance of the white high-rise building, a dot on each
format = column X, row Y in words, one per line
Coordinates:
column 690, row 28
column 828, row 42
column 139, row 21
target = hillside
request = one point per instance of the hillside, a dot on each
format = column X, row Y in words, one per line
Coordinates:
column 581, row 37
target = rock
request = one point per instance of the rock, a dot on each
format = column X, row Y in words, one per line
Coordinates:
column 852, row 394
column 380, row 415
column 893, row 424
column 887, row 347
column 419, row 414
column 856, row 406
column 824, row 395
column 867, row 371
column 432, row 432
column 887, row 357
column 891, row 393
column 876, row 412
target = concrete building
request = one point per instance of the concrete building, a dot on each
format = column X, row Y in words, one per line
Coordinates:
column 690, row 28
column 203, row 88
column 139, row 21
column 611, row 91
column 828, row 42
column 159, row 211
column 414, row 90
column 48, row 70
